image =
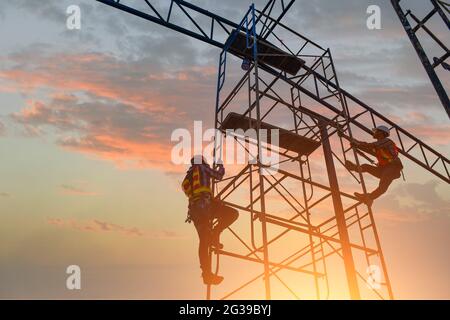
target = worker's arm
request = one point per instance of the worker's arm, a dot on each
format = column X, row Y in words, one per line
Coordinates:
column 364, row 146
column 368, row 147
column 218, row 173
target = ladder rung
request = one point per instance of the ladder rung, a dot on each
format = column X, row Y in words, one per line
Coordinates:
column 439, row 61
column 420, row 24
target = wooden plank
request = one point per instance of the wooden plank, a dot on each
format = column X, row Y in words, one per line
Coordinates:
column 287, row 140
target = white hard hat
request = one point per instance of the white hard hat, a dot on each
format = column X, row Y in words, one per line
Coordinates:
column 198, row 159
column 382, row 129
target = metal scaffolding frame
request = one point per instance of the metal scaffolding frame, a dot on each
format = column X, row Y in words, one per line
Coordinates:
column 441, row 9
column 195, row 22
column 328, row 235
column 363, row 116
column 331, row 223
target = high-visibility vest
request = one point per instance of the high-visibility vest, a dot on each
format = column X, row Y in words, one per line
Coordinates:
column 385, row 155
column 187, row 186
column 192, row 186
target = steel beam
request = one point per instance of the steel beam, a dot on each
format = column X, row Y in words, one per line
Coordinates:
column 340, row 217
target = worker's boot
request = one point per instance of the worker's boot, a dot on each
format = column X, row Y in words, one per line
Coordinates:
column 351, row 166
column 211, row 279
column 364, row 198
column 215, row 240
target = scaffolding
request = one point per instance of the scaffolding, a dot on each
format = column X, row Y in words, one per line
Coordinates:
column 413, row 25
column 321, row 114
column 302, row 224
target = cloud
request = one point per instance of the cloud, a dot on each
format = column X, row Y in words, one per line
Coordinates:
column 121, row 133
column 98, row 226
column 117, row 110
column 428, row 129
column 52, row 10
column 413, row 202
column 142, row 83
column 72, row 190
column 438, row 134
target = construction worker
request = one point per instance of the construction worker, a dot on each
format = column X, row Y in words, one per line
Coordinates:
column 389, row 164
column 203, row 210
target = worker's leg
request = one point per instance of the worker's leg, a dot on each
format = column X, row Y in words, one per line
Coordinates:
column 389, row 174
column 385, row 181
column 225, row 216
column 201, row 222
column 373, row 170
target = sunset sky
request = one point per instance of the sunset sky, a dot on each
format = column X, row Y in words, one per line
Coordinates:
column 85, row 123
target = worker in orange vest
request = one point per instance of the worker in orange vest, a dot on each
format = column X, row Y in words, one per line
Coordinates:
column 389, row 165
column 203, row 210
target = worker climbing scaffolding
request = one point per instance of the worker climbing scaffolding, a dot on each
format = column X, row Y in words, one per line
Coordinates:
column 389, row 165
column 203, row 210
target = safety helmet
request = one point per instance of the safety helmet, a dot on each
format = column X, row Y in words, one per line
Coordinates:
column 198, row 159
column 383, row 129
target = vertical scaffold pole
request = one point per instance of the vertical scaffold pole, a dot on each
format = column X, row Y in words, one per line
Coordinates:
column 340, row 216
column 260, row 166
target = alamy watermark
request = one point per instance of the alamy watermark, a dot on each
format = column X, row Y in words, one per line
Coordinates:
column 374, row 20
column 73, row 281
column 235, row 147
column 73, row 21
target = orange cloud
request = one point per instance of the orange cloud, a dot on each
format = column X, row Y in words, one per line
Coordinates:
column 435, row 133
column 115, row 132
column 131, row 110
column 124, row 153
column 105, row 76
